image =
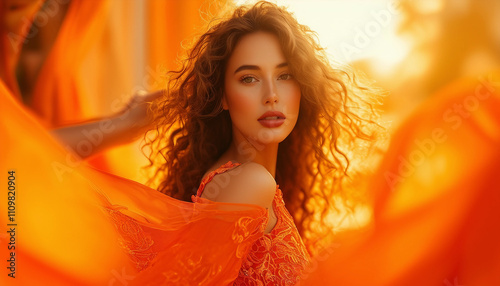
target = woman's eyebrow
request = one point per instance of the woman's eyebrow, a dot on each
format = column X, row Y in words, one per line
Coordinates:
column 247, row 67
column 253, row 67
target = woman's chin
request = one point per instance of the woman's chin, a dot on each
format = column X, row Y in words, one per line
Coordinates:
column 271, row 136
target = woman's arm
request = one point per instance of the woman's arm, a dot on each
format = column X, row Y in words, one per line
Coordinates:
column 91, row 137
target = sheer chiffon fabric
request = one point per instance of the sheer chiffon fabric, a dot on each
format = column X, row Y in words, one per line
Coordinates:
column 86, row 227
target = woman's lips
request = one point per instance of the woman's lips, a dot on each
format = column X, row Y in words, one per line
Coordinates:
column 272, row 119
column 271, row 122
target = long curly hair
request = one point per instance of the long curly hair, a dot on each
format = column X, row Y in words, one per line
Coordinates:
column 193, row 130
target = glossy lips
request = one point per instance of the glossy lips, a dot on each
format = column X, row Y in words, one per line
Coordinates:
column 272, row 119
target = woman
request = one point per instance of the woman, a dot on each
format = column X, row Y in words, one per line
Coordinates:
column 259, row 60
column 256, row 104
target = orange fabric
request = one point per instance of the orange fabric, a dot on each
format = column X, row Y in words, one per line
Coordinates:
column 64, row 92
column 104, row 52
column 53, row 231
column 163, row 44
column 60, row 95
column 86, row 75
column 438, row 190
column 276, row 258
column 75, row 225
column 14, row 28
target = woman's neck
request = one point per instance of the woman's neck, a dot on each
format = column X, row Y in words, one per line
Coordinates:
column 243, row 150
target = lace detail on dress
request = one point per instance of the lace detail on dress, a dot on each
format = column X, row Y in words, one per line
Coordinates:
column 136, row 243
column 246, row 228
column 276, row 258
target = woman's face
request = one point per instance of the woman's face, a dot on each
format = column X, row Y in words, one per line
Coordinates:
column 261, row 95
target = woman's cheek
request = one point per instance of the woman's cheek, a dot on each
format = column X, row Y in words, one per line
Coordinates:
column 292, row 99
column 244, row 101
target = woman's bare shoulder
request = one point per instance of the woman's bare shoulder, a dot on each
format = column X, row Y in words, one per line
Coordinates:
column 249, row 183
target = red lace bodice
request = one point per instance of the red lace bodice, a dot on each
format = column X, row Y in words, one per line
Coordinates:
column 276, row 258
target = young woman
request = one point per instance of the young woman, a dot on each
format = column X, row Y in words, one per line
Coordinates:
column 258, row 104
column 252, row 136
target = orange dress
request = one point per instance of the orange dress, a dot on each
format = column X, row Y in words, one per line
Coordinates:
column 276, row 258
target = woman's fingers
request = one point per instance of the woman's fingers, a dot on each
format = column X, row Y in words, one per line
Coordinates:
column 144, row 96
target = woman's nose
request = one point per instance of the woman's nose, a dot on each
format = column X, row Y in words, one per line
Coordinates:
column 270, row 93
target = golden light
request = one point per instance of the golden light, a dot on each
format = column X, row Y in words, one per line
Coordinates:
column 353, row 30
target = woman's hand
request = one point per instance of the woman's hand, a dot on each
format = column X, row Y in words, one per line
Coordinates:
column 129, row 124
column 137, row 114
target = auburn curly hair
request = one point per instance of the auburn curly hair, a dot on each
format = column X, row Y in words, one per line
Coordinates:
column 193, row 130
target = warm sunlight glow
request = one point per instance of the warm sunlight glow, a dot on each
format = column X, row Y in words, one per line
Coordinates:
column 353, row 30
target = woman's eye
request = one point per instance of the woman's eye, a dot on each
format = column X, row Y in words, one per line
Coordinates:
column 285, row 76
column 248, row 79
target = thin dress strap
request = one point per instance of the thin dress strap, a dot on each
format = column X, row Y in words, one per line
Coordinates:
column 224, row 168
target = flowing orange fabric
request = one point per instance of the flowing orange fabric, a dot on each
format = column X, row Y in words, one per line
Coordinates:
column 438, row 195
column 72, row 225
column 103, row 53
column 276, row 258
column 60, row 95
column 14, row 28
column 64, row 91
column 87, row 75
